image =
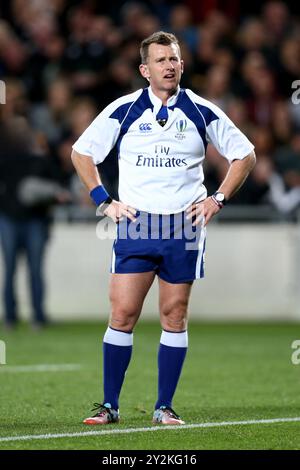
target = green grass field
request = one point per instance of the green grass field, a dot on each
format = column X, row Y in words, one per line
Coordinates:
column 232, row 373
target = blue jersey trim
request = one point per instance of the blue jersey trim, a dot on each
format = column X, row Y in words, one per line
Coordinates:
column 121, row 112
column 129, row 112
column 137, row 109
column 200, row 115
column 207, row 113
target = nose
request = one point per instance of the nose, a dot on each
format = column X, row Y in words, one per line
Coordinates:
column 170, row 65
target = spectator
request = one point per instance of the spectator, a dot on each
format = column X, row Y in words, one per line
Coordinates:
column 277, row 21
column 216, row 88
column 27, row 191
column 181, row 25
column 50, row 117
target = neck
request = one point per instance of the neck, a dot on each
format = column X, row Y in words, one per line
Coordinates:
column 164, row 95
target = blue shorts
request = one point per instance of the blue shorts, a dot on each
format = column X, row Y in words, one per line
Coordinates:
column 166, row 244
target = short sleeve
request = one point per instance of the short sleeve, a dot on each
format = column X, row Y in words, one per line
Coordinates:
column 227, row 138
column 100, row 137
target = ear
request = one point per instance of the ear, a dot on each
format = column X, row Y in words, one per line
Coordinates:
column 144, row 71
column 182, row 66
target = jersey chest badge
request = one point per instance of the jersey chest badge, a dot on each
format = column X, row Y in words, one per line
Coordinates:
column 181, row 126
column 145, row 127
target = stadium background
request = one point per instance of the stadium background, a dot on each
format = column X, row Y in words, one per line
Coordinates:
column 63, row 61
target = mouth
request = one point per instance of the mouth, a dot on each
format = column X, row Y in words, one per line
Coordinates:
column 169, row 76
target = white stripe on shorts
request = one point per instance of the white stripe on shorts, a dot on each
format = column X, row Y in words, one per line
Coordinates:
column 200, row 252
column 113, row 261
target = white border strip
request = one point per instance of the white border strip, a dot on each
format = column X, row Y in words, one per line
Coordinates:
column 113, row 261
column 40, row 368
column 118, row 338
column 150, row 429
column 200, row 250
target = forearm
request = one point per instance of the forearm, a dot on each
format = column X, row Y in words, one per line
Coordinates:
column 236, row 175
column 88, row 173
column 86, row 170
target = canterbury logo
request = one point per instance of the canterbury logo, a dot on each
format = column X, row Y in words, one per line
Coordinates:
column 145, row 126
column 181, row 125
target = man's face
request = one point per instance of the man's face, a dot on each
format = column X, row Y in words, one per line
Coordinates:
column 163, row 68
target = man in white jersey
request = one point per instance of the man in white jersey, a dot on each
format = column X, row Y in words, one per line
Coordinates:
column 161, row 133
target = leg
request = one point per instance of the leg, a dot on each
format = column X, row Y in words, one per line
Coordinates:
column 173, row 301
column 127, row 294
column 9, row 231
column 36, row 235
column 173, row 305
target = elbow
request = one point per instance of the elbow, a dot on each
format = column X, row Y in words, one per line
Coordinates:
column 74, row 156
column 251, row 160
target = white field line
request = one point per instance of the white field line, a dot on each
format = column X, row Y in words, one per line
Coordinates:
column 149, row 429
column 40, row 368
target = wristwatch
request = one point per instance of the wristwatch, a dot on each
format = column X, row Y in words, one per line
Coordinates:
column 219, row 198
column 101, row 208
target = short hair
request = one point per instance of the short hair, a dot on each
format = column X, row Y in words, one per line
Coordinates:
column 160, row 37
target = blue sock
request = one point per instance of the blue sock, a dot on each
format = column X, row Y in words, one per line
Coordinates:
column 117, row 349
column 171, row 355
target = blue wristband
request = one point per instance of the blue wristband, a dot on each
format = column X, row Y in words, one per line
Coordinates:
column 99, row 195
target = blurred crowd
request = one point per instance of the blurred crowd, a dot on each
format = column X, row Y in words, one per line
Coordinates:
column 63, row 61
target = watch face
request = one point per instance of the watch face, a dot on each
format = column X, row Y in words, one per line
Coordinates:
column 219, row 197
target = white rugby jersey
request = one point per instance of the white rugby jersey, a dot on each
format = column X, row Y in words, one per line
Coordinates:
column 160, row 168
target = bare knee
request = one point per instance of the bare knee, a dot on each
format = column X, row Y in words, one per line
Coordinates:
column 122, row 319
column 174, row 315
